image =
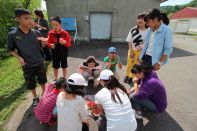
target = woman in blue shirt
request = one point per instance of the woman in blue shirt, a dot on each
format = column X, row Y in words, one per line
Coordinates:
column 158, row 43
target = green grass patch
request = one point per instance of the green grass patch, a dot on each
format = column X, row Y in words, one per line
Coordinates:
column 11, row 87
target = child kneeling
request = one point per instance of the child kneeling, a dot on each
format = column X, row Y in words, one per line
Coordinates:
column 46, row 106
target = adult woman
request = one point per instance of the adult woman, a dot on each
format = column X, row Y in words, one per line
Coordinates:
column 150, row 93
column 41, row 24
column 114, row 101
column 158, row 43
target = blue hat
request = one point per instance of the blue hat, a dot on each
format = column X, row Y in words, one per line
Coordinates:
column 112, row 49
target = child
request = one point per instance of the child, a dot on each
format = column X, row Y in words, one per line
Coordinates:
column 135, row 39
column 24, row 44
column 59, row 41
column 44, row 110
column 71, row 106
column 112, row 60
column 114, row 101
column 90, row 69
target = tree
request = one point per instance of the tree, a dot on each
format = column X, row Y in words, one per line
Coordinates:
column 7, row 19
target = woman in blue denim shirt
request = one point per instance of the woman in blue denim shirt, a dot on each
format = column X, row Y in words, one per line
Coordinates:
column 158, row 42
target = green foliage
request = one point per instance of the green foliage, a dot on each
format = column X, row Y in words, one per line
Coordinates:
column 3, row 53
column 7, row 19
column 172, row 9
column 11, row 87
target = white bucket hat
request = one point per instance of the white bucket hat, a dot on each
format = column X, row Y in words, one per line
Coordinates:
column 76, row 79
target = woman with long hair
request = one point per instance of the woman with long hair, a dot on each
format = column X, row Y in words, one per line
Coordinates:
column 42, row 25
column 114, row 102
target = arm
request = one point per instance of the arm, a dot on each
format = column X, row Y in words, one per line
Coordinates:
column 20, row 59
column 50, row 41
column 11, row 47
column 107, row 63
column 66, row 40
column 168, row 47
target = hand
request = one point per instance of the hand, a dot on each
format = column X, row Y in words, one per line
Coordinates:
column 130, row 90
column 139, row 47
column 62, row 41
column 21, row 61
column 119, row 65
column 37, row 25
column 53, row 46
column 43, row 41
column 131, row 55
column 157, row 67
column 135, row 80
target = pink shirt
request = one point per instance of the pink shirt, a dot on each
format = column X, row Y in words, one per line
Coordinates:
column 44, row 109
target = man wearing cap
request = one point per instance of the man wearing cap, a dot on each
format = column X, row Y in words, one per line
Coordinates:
column 112, row 60
column 24, row 43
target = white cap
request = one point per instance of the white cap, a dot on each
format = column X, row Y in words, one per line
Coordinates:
column 105, row 74
column 76, row 79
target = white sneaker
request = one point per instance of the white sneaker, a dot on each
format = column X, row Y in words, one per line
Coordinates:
column 138, row 115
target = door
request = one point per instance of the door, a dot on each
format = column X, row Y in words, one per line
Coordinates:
column 100, row 26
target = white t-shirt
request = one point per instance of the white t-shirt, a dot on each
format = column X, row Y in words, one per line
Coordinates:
column 130, row 38
column 151, row 42
column 71, row 113
column 120, row 117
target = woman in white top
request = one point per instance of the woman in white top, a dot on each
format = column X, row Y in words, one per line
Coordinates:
column 135, row 39
column 114, row 102
column 71, row 106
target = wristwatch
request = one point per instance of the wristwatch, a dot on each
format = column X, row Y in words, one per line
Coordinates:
column 160, row 63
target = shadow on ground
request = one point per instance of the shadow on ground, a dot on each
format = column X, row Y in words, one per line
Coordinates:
column 8, row 100
column 99, row 50
column 158, row 122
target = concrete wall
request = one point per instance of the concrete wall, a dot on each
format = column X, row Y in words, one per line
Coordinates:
column 124, row 13
column 190, row 23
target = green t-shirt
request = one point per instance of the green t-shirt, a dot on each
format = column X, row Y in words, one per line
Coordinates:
column 113, row 62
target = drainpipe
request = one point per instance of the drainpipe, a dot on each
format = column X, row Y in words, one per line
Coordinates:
column 114, row 8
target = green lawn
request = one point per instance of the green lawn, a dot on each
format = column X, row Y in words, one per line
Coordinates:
column 11, row 87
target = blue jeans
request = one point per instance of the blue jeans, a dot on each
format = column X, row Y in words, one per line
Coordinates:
column 139, row 104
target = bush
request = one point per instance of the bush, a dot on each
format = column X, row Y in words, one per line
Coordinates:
column 3, row 53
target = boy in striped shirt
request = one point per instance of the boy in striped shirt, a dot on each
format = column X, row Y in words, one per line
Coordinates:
column 44, row 111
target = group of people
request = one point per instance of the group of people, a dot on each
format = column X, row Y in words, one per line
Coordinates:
column 62, row 101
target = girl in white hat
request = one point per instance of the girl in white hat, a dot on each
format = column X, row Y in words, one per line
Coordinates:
column 114, row 101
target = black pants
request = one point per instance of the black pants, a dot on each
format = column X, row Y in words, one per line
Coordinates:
column 147, row 60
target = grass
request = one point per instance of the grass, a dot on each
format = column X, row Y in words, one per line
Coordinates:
column 11, row 87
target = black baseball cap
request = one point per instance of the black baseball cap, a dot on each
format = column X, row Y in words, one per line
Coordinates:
column 19, row 12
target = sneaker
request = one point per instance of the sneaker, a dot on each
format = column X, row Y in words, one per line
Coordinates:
column 126, row 79
column 35, row 102
column 130, row 81
column 138, row 114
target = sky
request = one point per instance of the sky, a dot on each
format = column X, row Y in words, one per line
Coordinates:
column 168, row 2
column 175, row 2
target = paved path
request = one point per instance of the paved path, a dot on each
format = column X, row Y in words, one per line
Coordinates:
column 179, row 76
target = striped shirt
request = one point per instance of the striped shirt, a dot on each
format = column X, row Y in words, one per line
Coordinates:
column 44, row 109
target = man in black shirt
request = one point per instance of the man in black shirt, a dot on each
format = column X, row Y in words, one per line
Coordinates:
column 24, row 44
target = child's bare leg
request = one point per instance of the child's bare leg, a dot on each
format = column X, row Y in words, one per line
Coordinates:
column 43, row 88
column 55, row 71
column 64, row 72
